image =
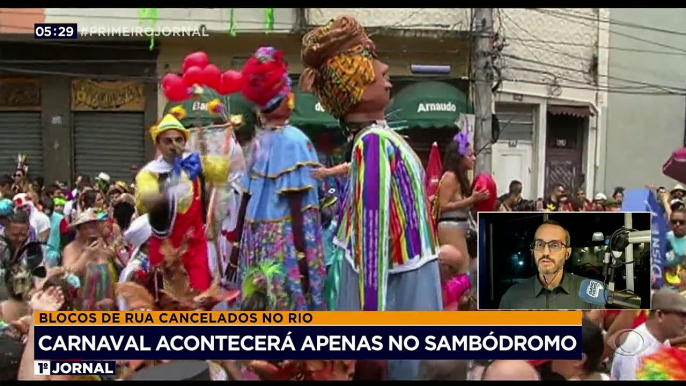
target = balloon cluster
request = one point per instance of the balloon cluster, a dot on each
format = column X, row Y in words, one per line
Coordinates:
column 198, row 71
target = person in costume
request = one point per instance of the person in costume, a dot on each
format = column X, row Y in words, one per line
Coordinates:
column 453, row 284
column 6, row 211
column 455, row 199
column 58, row 226
column 91, row 259
column 137, row 236
column 279, row 214
column 226, row 205
column 384, row 226
column 21, row 266
column 21, row 182
column 667, row 364
column 329, row 213
column 172, row 189
column 39, row 221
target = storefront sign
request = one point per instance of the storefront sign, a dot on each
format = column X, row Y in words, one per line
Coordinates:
column 199, row 106
column 432, row 107
column 20, row 94
column 89, row 95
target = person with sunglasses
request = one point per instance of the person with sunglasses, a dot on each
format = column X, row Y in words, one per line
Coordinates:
column 676, row 244
column 552, row 288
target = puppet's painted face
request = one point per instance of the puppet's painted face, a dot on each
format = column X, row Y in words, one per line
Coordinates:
column 377, row 95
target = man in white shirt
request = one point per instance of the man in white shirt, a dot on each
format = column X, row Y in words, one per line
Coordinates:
column 667, row 320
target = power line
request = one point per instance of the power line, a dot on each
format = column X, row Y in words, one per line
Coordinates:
column 629, row 36
column 615, row 48
column 603, row 89
column 632, row 90
column 583, row 72
column 555, row 50
column 618, row 22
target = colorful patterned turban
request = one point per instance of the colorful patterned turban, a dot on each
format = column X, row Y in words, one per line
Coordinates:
column 266, row 78
column 338, row 64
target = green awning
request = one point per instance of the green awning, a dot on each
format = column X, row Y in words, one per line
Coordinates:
column 195, row 108
column 234, row 104
column 309, row 112
column 427, row 104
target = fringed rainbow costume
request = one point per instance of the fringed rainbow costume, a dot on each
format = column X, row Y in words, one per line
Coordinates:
column 385, row 229
column 667, row 364
column 99, row 281
column 385, row 225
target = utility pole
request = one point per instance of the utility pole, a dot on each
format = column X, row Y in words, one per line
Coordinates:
column 483, row 77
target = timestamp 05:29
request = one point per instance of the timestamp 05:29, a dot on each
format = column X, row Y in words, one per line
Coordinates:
column 55, row 31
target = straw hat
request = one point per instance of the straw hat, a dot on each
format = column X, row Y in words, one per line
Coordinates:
column 677, row 187
column 86, row 216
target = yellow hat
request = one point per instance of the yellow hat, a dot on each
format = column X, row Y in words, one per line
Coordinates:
column 169, row 122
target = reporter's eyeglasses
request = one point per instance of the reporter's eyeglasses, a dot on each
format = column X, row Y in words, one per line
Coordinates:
column 554, row 246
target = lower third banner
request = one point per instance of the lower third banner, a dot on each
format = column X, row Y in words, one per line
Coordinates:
column 284, row 342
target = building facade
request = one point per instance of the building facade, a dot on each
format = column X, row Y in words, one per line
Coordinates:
column 551, row 101
column 646, row 107
column 552, row 64
column 75, row 108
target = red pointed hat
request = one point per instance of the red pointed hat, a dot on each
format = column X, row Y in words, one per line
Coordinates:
column 266, row 78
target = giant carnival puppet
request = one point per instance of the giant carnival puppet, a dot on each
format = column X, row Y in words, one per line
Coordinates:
column 279, row 214
column 385, row 227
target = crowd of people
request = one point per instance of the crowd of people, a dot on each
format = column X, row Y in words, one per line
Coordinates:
column 249, row 230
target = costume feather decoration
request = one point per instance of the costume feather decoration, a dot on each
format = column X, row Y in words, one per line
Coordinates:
column 21, row 163
column 257, row 286
column 667, row 364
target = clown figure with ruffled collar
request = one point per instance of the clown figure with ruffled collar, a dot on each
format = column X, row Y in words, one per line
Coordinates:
column 279, row 214
column 171, row 189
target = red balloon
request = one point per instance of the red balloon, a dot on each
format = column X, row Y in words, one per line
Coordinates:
column 173, row 88
column 170, row 79
column 193, row 76
column 196, row 59
column 231, row 82
column 211, row 76
column 482, row 182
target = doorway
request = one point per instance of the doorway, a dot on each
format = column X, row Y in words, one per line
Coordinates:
column 564, row 151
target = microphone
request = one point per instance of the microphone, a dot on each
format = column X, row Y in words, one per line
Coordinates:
column 606, row 262
column 593, row 291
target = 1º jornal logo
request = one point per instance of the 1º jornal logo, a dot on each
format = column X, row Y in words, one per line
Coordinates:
column 74, row 367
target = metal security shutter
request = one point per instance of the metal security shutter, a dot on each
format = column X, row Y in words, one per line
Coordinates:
column 108, row 143
column 21, row 134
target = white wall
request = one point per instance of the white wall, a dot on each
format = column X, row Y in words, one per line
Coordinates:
column 397, row 18
column 546, row 61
